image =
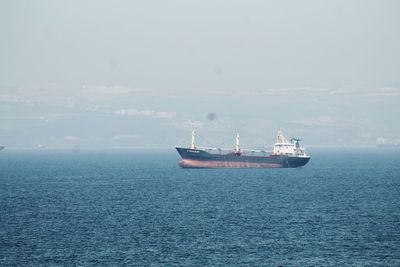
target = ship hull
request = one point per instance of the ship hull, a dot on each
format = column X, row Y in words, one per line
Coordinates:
column 195, row 158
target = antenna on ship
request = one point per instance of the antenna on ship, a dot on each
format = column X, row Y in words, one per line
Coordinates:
column 237, row 144
column 193, row 145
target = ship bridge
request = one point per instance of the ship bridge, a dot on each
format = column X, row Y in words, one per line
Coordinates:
column 285, row 147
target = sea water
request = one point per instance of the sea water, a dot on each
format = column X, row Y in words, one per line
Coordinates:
column 139, row 208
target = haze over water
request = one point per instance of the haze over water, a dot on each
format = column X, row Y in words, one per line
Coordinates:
column 101, row 74
column 102, row 208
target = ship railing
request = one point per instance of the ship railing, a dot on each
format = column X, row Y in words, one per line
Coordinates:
column 246, row 151
column 256, row 150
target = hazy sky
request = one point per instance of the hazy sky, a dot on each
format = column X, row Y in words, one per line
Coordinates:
column 144, row 73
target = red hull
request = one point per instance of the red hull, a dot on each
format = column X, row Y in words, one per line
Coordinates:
column 189, row 163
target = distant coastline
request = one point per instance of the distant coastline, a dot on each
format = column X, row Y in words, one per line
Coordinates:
column 388, row 145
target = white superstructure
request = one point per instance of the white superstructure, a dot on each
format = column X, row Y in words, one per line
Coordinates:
column 285, row 147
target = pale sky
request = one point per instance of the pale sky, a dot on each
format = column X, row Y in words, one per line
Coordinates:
column 102, row 74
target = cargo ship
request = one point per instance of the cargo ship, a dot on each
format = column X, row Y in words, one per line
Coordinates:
column 285, row 154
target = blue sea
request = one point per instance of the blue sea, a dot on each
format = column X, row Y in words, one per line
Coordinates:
column 139, row 208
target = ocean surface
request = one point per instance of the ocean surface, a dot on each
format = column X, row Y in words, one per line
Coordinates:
column 139, row 208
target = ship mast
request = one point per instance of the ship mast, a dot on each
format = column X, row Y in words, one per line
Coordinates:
column 280, row 138
column 237, row 144
column 193, row 145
